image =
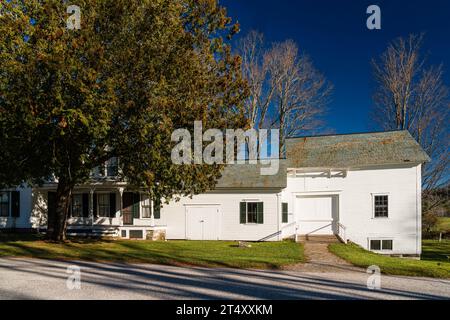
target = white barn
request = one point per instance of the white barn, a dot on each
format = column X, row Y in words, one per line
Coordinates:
column 364, row 188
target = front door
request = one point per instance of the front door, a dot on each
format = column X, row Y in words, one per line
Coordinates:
column 130, row 207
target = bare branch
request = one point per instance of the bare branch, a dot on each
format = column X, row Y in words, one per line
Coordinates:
column 413, row 97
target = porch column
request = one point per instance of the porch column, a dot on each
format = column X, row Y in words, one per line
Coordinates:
column 91, row 206
column 152, row 213
column 121, row 206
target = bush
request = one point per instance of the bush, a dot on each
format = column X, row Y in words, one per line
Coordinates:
column 429, row 221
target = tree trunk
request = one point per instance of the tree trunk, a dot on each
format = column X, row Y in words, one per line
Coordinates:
column 58, row 223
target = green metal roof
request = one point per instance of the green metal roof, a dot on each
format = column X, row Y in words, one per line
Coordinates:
column 245, row 176
column 354, row 150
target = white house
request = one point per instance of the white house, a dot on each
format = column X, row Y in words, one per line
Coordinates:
column 365, row 188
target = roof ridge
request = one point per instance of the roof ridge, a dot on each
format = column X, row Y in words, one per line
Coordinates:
column 346, row 134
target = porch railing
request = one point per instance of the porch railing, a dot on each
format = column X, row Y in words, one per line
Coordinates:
column 342, row 232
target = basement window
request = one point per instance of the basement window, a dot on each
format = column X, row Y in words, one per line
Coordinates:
column 381, row 244
column 136, row 234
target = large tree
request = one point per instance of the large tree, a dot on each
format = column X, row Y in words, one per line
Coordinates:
column 118, row 87
column 411, row 95
column 286, row 90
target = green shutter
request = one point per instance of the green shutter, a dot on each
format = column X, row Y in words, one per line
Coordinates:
column 284, row 210
column 15, row 204
column 157, row 209
column 95, row 205
column 112, row 205
column 243, row 212
column 85, row 205
column 136, row 200
column 260, row 212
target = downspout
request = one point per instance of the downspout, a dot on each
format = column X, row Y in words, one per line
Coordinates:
column 278, row 217
column 418, row 208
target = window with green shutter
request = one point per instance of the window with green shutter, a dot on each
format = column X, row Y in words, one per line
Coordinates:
column 284, row 212
column 251, row 212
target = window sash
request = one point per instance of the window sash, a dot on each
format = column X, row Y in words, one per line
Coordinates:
column 4, row 204
column 112, row 168
column 381, row 206
column 252, row 212
column 375, row 244
column 146, row 206
column 77, row 205
column 386, row 244
column 103, row 204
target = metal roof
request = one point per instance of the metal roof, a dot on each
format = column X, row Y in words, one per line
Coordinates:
column 354, row 150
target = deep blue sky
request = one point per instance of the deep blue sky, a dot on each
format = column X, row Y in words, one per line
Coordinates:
column 334, row 34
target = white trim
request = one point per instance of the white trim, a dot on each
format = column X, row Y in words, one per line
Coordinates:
column 316, row 193
column 251, row 200
column 200, row 204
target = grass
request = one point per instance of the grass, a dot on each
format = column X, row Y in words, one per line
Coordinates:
column 433, row 250
column 434, row 261
column 444, row 224
column 263, row 255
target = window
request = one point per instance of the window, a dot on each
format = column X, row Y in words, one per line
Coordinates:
column 381, row 208
column 379, row 244
column 103, row 204
column 252, row 212
column 375, row 244
column 146, row 206
column 109, row 169
column 386, row 244
column 136, row 234
column 77, row 205
column 4, row 204
column 284, row 212
column 112, row 168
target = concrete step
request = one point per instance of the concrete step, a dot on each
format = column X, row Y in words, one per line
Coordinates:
column 317, row 238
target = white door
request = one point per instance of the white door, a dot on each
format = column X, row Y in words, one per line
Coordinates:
column 316, row 215
column 203, row 223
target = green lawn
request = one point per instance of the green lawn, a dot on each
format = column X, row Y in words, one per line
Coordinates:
column 434, row 261
column 270, row 255
column 444, row 224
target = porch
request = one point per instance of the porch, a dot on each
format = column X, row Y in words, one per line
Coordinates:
column 316, row 215
column 105, row 210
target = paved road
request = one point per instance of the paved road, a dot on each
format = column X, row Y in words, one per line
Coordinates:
column 43, row 279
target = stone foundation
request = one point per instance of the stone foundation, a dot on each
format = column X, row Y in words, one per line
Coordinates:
column 156, row 235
